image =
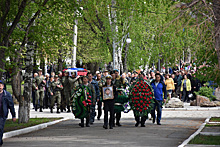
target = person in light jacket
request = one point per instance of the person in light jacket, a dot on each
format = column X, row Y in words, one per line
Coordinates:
column 185, row 88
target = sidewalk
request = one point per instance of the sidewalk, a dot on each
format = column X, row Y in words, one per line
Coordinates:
column 187, row 111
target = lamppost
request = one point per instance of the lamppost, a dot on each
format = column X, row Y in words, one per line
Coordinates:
column 75, row 28
column 128, row 40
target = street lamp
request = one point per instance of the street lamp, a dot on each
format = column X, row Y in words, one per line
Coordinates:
column 128, row 40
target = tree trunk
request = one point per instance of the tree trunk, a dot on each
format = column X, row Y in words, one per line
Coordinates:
column 216, row 9
column 24, row 103
column 16, row 82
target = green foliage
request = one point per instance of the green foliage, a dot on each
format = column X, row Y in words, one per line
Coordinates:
column 207, row 92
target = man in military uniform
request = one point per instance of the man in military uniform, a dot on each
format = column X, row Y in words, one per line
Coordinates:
column 97, row 92
column 39, row 84
column 66, row 89
column 74, row 81
column 101, row 83
column 63, row 101
column 119, row 83
column 85, row 83
column 55, row 92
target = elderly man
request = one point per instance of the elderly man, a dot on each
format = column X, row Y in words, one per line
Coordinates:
column 6, row 102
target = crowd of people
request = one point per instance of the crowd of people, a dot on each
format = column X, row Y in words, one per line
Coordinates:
column 51, row 89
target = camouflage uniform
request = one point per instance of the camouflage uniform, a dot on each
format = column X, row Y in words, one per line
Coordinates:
column 39, row 93
column 74, row 82
column 66, row 91
column 56, row 94
column 119, row 83
column 101, row 83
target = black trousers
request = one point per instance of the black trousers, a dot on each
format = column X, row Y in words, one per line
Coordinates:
column 87, row 120
column 99, row 103
column 109, row 106
column 118, row 117
column 143, row 119
column 185, row 95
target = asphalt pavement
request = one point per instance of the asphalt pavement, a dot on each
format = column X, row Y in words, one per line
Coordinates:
column 177, row 126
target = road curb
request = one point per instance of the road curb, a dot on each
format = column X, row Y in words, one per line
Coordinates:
column 30, row 129
column 196, row 133
column 191, row 109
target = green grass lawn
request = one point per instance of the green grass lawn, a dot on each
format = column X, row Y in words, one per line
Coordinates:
column 208, row 140
column 215, row 119
column 11, row 126
column 212, row 125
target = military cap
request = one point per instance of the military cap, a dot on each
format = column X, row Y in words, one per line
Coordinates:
column 115, row 70
column 105, row 70
column 85, row 76
column 108, row 77
column 134, row 72
column 59, row 72
column 39, row 70
column 56, row 76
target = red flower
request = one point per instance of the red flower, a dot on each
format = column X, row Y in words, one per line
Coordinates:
column 137, row 94
column 145, row 108
column 139, row 105
column 145, row 93
column 140, row 110
column 137, row 108
column 149, row 102
column 138, row 82
column 140, row 85
column 141, row 96
column 145, row 83
column 145, row 98
column 143, row 104
column 137, row 98
column 150, row 92
column 135, row 105
column 90, row 103
column 137, row 87
column 140, row 90
column 90, row 97
column 147, row 105
column 133, row 98
column 136, row 101
column 84, row 103
column 87, row 93
column 145, row 101
column 89, row 100
column 132, row 101
column 135, row 90
column 141, row 101
column 134, row 94
column 148, row 99
column 142, row 93
column 143, row 89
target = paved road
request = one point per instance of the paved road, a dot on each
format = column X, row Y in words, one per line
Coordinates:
column 176, row 126
column 172, row 132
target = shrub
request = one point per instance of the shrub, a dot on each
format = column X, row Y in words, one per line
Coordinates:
column 207, row 92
